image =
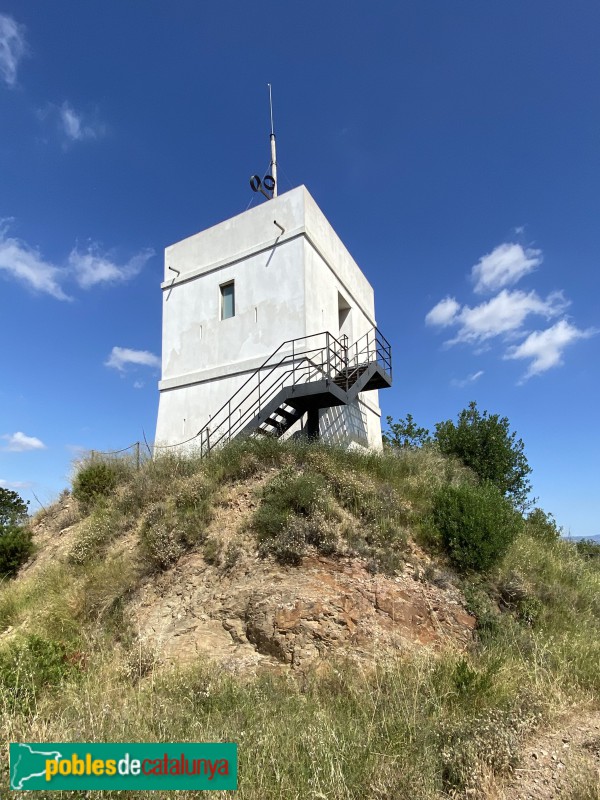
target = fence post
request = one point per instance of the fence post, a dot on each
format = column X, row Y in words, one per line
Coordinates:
column 137, row 454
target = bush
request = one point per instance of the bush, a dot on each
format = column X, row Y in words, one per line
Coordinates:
column 211, row 551
column 476, row 523
column 290, row 493
column 542, row 526
column 484, row 443
column 95, row 480
column 171, row 528
column 96, row 532
column 29, row 664
column 16, row 545
column 159, row 537
column 295, row 512
column 588, row 548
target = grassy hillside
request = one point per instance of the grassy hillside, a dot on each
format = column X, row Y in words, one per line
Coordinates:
column 419, row 723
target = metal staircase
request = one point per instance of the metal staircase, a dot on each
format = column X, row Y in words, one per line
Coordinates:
column 302, row 375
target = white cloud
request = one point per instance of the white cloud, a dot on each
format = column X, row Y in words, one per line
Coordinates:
column 444, row 313
column 12, row 48
column 91, row 267
column 504, row 315
column 88, row 268
column 18, row 442
column 76, row 126
column 120, row 357
column 504, row 266
column 545, row 348
column 15, row 484
column 468, row 380
column 26, row 264
column 138, row 384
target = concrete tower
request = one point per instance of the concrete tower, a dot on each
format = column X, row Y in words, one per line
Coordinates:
column 269, row 327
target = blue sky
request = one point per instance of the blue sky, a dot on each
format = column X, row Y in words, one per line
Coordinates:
column 454, row 145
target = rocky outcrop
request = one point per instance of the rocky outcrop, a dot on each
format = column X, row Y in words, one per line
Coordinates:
column 252, row 612
column 260, row 613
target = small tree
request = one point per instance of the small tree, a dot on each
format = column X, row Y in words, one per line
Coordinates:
column 15, row 540
column 13, row 509
column 485, row 443
column 405, row 433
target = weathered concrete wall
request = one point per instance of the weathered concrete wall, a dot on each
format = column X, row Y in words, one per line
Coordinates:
column 269, row 301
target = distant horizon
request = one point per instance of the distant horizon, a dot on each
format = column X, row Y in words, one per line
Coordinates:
column 595, row 538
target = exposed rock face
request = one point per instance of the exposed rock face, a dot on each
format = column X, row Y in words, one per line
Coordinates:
column 258, row 612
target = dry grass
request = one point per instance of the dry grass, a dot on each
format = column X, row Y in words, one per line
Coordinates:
column 416, row 727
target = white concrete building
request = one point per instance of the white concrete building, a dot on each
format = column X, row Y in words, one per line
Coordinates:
column 244, row 289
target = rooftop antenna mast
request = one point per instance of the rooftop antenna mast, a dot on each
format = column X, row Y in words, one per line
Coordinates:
column 269, row 182
column 273, row 149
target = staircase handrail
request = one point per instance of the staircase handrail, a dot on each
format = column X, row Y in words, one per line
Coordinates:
column 332, row 360
column 251, row 412
column 379, row 347
column 294, row 355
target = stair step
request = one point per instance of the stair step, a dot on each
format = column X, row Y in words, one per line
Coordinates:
column 273, row 422
column 287, row 415
column 351, row 375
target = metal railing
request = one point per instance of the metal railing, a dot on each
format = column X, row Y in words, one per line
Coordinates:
column 372, row 346
column 296, row 361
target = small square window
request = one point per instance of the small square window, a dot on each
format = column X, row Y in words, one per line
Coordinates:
column 228, row 300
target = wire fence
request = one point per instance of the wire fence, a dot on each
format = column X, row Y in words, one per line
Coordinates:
column 138, row 451
column 135, row 449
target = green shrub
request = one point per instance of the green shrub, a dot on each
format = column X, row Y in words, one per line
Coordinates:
column 16, row 545
column 295, row 512
column 233, row 553
column 288, row 547
column 485, row 444
column 588, row 548
column 476, row 524
column 28, row 665
column 243, row 458
column 542, row 526
column 171, row 527
column 95, row 480
column 472, row 748
column 288, row 494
